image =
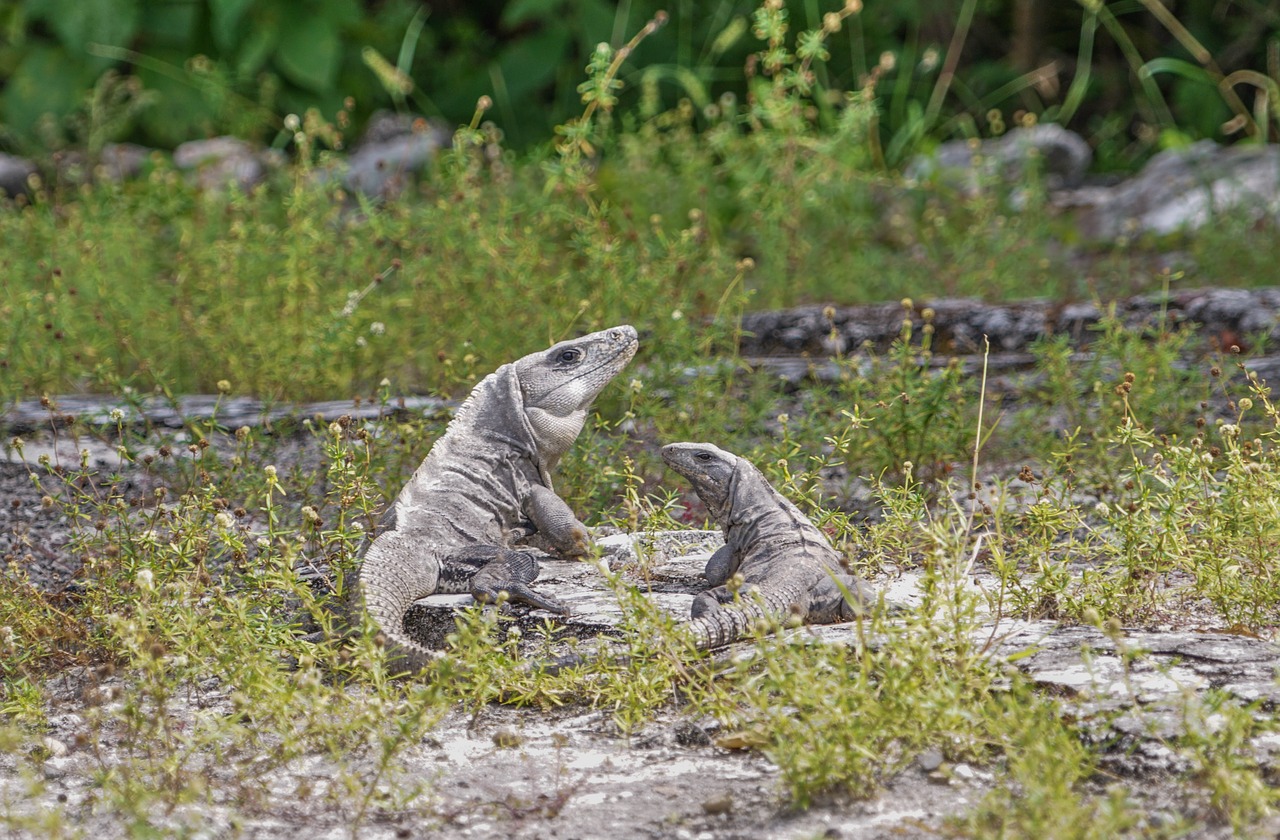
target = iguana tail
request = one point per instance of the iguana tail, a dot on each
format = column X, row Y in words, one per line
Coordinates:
column 387, row 591
column 715, row 629
column 732, row 622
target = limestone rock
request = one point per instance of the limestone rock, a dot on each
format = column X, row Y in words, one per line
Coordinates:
column 14, row 172
column 393, row 149
column 220, row 161
column 1061, row 156
column 1179, row 190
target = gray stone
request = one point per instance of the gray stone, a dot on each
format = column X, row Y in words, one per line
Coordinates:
column 929, row 760
column 122, row 161
column 233, row 412
column 1181, row 189
column 394, row 148
column 116, row 162
column 14, row 172
column 1060, row 156
column 1223, row 316
column 221, row 161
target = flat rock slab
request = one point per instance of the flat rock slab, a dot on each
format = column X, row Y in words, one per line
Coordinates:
column 1152, row 673
column 1221, row 316
column 230, row 412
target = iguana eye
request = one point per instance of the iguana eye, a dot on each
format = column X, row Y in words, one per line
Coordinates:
column 569, row 355
column 703, row 456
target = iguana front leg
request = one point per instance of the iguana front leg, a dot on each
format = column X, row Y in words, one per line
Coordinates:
column 721, row 566
column 711, row 600
column 830, row 600
column 556, row 522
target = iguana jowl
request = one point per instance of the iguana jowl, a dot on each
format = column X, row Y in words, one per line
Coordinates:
column 485, row 486
column 787, row 566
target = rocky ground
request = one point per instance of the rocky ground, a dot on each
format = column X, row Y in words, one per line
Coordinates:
column 569, row 773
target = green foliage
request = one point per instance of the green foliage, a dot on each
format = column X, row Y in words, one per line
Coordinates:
column 914, row 414
column 1132, row 500
column 957, row 68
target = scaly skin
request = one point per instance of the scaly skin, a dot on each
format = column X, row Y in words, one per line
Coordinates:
column 783, row 565
column 485, row 486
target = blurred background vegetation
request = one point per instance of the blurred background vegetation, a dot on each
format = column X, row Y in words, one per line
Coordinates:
column 1132, row 75
column 742, row 155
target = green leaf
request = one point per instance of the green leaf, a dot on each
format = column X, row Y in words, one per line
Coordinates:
column 46, row 81
column 342, row 12
column 309, row 53
column 225, row 16
column 531, row 62
column 1185, row 69
column 181, row 113
column 171, row 25
column 255, row 50
column 594, row 21
column 530, row 10
column 78, row 23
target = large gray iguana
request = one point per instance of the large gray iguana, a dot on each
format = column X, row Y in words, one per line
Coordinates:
column 787, row 567
column 484, row 487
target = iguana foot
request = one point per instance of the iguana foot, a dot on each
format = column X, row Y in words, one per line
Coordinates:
column 521, row 593
column 511, row 572
column 711, row 600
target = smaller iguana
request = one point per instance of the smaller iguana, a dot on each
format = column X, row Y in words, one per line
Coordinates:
column 461, row 522
column 786, row 566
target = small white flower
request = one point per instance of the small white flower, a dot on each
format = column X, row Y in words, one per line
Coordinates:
column 1101, row 509
column 116, row 415
column 225, row 520
column 145, row 579
column 361, row 341
column 292, row 123
column 377, row 328
column 677, row 315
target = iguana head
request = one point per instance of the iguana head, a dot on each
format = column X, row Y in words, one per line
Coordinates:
column 559, row 384
column 710, row 469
